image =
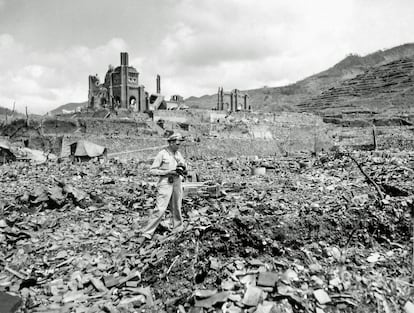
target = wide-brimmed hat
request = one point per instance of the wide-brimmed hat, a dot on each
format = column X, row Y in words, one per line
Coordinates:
column 175, row 136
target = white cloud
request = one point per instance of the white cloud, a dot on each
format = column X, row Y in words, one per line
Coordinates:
column 243, row 44
column 247, row 44
column 44, row 80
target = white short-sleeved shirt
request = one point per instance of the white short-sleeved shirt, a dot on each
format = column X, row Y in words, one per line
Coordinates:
column 166, row 161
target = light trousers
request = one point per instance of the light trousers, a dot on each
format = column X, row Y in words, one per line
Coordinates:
column 169, row 195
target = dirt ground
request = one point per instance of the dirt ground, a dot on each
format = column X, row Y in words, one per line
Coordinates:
column 311, row 235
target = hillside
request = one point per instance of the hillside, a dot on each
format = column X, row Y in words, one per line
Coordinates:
column 9, row 113
column 289, row 97
column 68, row 107
column 386, row 87
column 4, row 111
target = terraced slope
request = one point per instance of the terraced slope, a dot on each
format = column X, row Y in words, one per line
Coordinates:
column 385, row 88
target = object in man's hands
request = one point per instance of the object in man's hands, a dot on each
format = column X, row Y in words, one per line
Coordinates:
column 181, row 170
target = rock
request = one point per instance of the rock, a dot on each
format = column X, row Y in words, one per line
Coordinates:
column 98, row 284
column 61, row 255
column 205, row 293
column 248, row 279
column 214, row 264
column 321, row 296
column 73, row 296
column 409, row 307
column 132, row 283
column 234, row 309
column 335, row 282
column 265, row 307
column 135, row 301
column 209, row 302
column 335, row 253
column 267, row 279
column 111, row 281
column 289, row 276
column 317, row 281
column 284, row 289
column 228, row 284
column 315, row 268
column 9, row 303
column 235, row 297
column 282, row 306
column 252, row 296
column 374, row 257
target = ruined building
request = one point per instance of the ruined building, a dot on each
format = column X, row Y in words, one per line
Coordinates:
column 120, row 90
column 233, row 101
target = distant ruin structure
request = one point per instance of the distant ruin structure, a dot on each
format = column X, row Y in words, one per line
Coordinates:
column 121, row 90
column 233, row 101
column 158, row 84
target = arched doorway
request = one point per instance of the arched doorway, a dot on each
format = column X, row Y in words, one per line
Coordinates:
column 132, row 103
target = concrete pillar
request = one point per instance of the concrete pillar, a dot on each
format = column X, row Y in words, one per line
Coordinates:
column 222, row 98
column 111, row 92
column 218, row 99
column 124, row 59
column 231, row 101
column 236, row 96
column 124, row 80
column 158, row 84
column 142, row 104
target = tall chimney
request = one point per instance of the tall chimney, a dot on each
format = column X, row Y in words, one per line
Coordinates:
column 158, row 84
column 124, row 58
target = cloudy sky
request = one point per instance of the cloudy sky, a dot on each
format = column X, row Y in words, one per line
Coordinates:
column 49, row 47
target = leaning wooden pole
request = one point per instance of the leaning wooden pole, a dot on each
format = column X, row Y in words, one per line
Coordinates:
column 412, row 224
column 369, row 179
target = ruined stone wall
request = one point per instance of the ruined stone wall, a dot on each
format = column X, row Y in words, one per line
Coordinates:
column 387, row 137
column 172, row 116
column 207, row 147
column 210, row 147
column 215, row 132
column 226, row 135
column 114, row 127
column 193, row 116
column 210, row 116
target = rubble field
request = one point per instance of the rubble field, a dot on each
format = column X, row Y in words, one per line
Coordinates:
column 326, row 233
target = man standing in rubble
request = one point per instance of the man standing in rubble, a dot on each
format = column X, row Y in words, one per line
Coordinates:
column 169, row 166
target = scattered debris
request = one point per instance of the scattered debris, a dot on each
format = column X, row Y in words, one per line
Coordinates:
column 298, row 239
